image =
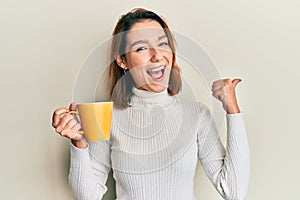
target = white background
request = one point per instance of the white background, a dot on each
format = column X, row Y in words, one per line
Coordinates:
column 43, row 43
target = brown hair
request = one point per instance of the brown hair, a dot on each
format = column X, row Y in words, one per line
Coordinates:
column 121, row 88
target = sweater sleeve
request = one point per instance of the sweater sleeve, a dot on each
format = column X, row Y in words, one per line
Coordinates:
column 228, row 169
column 89, row 170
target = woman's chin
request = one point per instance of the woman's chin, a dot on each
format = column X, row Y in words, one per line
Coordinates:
column 154, row 87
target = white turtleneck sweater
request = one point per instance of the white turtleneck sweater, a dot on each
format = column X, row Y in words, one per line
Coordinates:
column 153, row 152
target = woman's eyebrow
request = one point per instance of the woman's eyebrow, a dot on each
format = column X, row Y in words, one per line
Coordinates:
column 162, row 37
column 138, row 42
column 145, row 41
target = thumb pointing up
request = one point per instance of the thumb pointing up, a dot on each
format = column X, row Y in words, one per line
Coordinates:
column 235, row 82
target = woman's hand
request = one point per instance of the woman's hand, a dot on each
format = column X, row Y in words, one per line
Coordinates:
column 67, row 125
column 224, row 90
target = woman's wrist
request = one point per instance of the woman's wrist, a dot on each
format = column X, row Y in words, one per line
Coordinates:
column 79, row 143
column 233, row 110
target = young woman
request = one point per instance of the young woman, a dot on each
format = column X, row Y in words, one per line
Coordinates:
column 156, row 138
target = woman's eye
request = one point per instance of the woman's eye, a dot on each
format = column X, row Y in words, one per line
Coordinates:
column 141, row 49
column 163, row 44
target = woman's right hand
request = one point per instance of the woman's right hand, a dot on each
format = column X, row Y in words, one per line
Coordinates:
column 67, row 125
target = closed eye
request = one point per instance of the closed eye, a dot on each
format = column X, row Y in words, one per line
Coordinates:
column 141, row 49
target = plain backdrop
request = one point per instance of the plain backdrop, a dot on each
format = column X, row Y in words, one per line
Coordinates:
column 43, row 43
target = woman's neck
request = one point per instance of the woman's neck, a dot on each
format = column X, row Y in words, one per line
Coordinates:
column 144, row 97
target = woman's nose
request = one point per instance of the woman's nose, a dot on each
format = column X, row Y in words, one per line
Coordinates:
column 156, row 55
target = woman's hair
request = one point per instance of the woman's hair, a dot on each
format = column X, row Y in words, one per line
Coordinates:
column 121, row 88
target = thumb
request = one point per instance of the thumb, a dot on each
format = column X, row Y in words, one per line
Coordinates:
column 236, row 81
column 73, row 106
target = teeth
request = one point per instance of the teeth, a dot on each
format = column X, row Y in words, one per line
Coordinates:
column 156, row 69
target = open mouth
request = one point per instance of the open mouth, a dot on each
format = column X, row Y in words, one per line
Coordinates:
column 157, row 73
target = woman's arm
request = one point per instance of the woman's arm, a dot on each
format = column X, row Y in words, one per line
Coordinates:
column 228, row 169
column 90, row 162
column 89, row 170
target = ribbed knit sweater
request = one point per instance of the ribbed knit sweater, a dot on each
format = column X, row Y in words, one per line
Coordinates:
column 153, row 152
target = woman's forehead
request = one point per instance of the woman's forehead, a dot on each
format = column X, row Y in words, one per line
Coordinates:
column 145, row 24
column 146, row 28
column 151, row 34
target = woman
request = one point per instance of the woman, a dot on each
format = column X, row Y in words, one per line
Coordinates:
column 156, row 138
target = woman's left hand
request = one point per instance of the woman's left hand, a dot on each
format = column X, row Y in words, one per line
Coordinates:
column 224, row 90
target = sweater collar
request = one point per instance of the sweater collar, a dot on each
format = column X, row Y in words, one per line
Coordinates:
column 143, row 97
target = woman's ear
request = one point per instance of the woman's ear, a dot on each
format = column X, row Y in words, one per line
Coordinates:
column 121, row 62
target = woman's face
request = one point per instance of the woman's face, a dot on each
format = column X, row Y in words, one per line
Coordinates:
column 148, row 56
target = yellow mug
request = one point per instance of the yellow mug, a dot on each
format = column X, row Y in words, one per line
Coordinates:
column 95, row 119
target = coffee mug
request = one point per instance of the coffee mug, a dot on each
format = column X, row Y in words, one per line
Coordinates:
column 95, row 119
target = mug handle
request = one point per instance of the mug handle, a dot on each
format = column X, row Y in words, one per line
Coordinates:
column 76, row 113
